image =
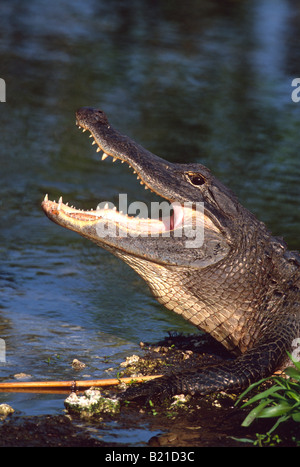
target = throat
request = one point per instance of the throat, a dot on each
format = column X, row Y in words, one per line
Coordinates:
column 202, row 306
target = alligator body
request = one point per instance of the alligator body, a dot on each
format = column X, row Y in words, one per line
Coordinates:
column 240, row 284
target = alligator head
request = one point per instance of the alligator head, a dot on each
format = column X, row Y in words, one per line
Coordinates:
column 203, row 260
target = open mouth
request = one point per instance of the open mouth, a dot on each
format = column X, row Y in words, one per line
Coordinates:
column 164, row 221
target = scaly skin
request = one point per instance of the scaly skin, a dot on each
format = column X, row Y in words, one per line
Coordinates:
column 241, row 285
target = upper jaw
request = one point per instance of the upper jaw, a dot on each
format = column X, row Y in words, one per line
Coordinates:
column 154, row 173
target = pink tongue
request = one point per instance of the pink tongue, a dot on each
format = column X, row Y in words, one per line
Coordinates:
column 175, row 219
column 172, row 221
column 178, row 215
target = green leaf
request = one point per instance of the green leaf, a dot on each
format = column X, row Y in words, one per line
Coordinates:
column 293, row 394
column 292, row 373
column 279, row 420
column 283, row 408
column 255, row 413
column 262, row 395
column 242, row 440
column 252, row 386
column 295, row 362
column 296, row 417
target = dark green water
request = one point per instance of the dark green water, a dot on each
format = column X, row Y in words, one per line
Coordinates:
column 192, row 81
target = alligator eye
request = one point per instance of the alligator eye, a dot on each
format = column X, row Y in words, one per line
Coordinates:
column 196, row 179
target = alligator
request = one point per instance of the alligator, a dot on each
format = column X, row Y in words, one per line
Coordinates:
column 237, row 282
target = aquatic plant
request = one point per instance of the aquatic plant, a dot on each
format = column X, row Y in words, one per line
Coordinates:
column 280, row 401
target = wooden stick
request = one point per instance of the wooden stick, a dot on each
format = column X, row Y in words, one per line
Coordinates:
column 52, row 386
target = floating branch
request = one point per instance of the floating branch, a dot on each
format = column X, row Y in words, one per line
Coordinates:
column 68, row 386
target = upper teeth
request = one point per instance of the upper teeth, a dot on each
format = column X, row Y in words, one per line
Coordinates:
column 105, row 155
